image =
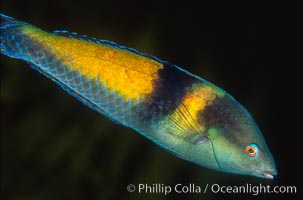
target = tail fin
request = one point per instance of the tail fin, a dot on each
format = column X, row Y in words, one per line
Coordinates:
column 11, row 36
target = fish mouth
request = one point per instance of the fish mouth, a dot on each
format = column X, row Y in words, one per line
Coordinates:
column 268, row 175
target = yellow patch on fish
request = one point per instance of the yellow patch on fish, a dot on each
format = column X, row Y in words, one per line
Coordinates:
column 121, row 71
column 195, row 101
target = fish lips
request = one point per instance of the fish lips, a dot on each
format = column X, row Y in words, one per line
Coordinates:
column 267, row 174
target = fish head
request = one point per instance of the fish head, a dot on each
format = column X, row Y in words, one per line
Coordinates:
column 237, row 143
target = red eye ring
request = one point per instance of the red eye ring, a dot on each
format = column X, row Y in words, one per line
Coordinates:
column 251, row 150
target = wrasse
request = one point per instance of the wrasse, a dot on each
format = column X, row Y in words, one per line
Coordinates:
column 179, row 111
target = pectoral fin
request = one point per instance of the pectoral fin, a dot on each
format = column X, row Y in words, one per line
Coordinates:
column 182, row 125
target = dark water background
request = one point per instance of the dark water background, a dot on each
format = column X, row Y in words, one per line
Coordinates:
column 53, row 147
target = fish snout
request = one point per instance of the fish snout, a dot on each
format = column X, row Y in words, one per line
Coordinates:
column 269, row 173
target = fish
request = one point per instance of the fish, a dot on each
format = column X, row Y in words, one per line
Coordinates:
column 177, row 110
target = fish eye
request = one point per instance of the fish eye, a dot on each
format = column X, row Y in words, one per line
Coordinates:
column 252, row 150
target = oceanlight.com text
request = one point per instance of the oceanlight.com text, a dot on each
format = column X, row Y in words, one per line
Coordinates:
column 192, row 188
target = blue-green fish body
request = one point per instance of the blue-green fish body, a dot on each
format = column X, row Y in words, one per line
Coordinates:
column 177, row 110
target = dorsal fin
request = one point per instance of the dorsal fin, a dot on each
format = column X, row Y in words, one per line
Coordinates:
column 75, row 35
